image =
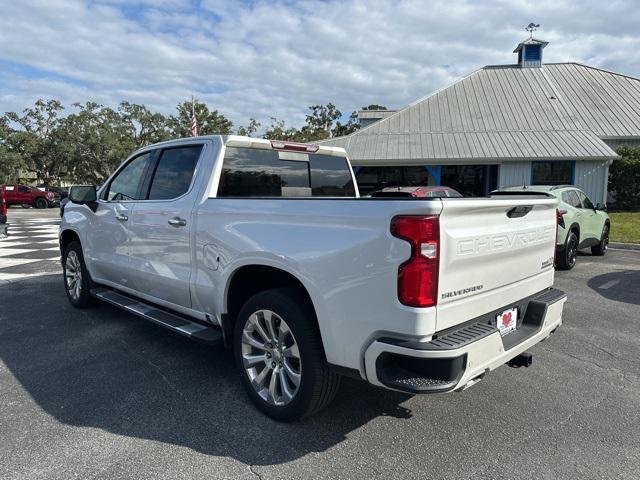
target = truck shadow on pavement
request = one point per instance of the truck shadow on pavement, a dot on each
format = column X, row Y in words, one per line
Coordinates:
column 106, row 369
column 620, row 286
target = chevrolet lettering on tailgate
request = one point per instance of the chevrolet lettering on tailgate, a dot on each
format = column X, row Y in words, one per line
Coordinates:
column 504, row 241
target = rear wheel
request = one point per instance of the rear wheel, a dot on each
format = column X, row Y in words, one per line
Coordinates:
column 602, row 247
column 567, row 260
column 41, row 202
column 77, row 282
column 279, row 355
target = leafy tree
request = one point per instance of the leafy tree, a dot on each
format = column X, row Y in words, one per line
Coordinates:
column 348, row 128
column 320, row 123
column 32, row 140
column 374, row 107
column 250, row 129
column 209, row 122
column 92, row 142
column 278, row 131
column 145, row 126
column 10, row 162
column 624, row 179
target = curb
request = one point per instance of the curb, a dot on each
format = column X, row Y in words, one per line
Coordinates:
column 625, row 246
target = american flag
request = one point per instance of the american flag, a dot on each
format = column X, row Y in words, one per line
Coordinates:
column 194, row 122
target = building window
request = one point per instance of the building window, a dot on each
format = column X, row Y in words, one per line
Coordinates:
column 371, row 179
column 552, row 173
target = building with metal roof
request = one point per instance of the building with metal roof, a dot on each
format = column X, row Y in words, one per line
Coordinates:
column 527, row 123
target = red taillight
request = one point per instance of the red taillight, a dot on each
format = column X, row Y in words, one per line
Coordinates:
column 296, row 147
column 559, row 216
column 3, row 205
column 559, row 221
column 418, row 276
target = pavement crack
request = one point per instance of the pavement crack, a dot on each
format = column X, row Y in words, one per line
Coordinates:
column 157, row 369
column 254, row 472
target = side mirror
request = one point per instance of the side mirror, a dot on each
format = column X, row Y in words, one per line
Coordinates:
column 84, row 195
column 601, row 207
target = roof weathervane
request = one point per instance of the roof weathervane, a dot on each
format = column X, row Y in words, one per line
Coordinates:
column 532, row 27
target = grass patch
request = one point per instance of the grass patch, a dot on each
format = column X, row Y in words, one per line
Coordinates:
column 625, row 227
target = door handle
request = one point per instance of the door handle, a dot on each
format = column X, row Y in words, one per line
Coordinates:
column 122, row 218
column 177, row 222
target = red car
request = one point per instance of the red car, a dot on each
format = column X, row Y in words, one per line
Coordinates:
column 418, row 192
column 3, row 214
column 25, row 195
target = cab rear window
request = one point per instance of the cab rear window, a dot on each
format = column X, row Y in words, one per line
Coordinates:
column 250, row 172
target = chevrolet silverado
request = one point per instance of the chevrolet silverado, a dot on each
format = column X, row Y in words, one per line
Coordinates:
column 265, row 246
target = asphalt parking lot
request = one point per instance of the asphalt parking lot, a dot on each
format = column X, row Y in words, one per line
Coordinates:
column 103, row 394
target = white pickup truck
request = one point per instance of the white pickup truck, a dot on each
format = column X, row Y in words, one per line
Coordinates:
column 266, row 246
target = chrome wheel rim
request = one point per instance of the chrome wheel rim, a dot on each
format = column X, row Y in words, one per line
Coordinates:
column 73, row 275
column 605, row 240
column 271, row 357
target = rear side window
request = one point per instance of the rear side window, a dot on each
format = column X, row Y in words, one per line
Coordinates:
column 250, row 172
column 173, row 174
column 571, row 198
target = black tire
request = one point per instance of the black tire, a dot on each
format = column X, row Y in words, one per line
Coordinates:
column 81, row 298
column 318, row 384
column 567, row 258
column 41, row 203
column 603, row 246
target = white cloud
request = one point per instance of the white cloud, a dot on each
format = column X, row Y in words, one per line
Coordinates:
column 261, row 59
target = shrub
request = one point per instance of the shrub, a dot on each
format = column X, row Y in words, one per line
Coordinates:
column 624, row 179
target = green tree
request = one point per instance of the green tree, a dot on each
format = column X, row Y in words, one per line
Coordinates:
column 209, row 122
column 624, row 179
column 374, row 107
column 145, row 127
column 10, row 162
column 33, row 137
column 250, row 129
column 278, row 131
column 92, row 142
column 320, row 123
column 348, row 128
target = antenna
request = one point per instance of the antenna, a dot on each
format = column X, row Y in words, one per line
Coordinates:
column 532, row 27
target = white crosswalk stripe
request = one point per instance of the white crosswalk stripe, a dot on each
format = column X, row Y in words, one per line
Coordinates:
column 31, row 249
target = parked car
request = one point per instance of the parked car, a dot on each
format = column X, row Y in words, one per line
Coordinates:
column 581, row 224
column 4, row 226
column 419, row 192
column 266, row 246
column 60, row 192
column 26, row 195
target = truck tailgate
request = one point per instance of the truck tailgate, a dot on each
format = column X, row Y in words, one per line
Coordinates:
column 492, row 252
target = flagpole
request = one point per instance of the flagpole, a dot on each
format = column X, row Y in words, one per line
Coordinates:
column 194, row 120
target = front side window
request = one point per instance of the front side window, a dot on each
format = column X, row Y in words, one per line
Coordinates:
column 174, row 172
column 586, row 203
column 125, row 186
column 552, row 173
column 250, row 172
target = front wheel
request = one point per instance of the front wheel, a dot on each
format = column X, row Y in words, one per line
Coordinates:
column 280, row 357
column 76, row 277
column 602, row 247
column 41, row 203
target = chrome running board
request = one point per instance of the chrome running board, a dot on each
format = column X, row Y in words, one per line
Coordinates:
column 173, row 321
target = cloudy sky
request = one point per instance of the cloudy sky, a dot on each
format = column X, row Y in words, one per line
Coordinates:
column 263, row 58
